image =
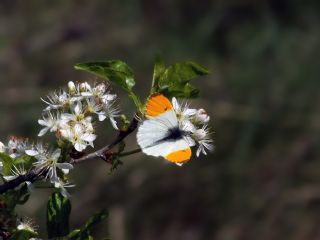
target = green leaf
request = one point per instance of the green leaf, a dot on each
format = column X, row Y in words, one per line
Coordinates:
column 58, row 212
column 16, row 196
column 74, row 234
column 23, row 235
column 23, row 194
column 158, row 71
column 7, row 163
column 115, row 71
column 174, row 80
column 181, row 91
column 25, row 160
column 85, row 231
column 94, row 220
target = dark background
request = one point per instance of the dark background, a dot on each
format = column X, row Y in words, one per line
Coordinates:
column 263, row 180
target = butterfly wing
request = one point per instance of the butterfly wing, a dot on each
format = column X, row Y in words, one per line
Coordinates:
column 157, row 105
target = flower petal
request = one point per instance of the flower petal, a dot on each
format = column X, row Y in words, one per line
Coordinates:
column 56, row 154
column 89, row 137
column 31, row 152
column 43, row 131
column 101, row 117
column 64, row 166
column 175, row 104
column 80, row 146
column 114, row 123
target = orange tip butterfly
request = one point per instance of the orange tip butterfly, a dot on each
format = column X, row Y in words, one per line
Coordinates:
column 160, row 134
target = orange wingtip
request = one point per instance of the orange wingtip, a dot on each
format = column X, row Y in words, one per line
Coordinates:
column 180, row 156
column 157, row 105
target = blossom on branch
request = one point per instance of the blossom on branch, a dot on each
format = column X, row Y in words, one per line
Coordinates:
column 75, row 112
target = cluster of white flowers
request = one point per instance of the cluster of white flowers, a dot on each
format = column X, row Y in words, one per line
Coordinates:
column 45, row 159
column 71, row 114
column 194, row 122
column 15, row 148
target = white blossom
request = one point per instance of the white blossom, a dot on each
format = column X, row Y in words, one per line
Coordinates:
column 99, row 91
column 36, row 150
column 111, row 111
column 182, row 110
column 17, row 146
column 79, row 136
column 93, row 105
column 77, row 115
column 50, row 162
column 203, row 139
column 49, row 122
column 201, row 116
column 60, row 99
column 27, row 224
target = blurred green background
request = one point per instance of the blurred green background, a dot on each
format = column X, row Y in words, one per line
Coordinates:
column 263, row 179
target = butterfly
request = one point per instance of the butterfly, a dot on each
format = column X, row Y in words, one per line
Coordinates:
column 162, row 134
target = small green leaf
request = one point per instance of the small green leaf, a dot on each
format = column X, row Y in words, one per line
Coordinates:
column 116, row 162
column 16, row 196
column 174, row 80
column 25, row 160
column 158, row 71
column 58, row 212
column 85, row 231
column 73, row 234
column 23, row 235
column 23, row 194
column 115, row 71
column 7, row 163
column 183, row 72
column 94, row 220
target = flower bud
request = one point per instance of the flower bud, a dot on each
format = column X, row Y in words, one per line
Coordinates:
column 84, row 87
column 72, row 87
column 57, row 184
column 101, row 88
column 2, row 147
column 202, row 116
column 200, row 134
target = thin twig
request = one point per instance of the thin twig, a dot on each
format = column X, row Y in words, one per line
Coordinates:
column 33, row 175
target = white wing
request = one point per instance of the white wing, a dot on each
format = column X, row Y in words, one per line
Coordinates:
column 163, row 149
column 151, row 131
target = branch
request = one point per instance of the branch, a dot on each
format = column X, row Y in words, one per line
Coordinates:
column 31, row 176
column 123, row 154
column 103, row 152
column 39, row 173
